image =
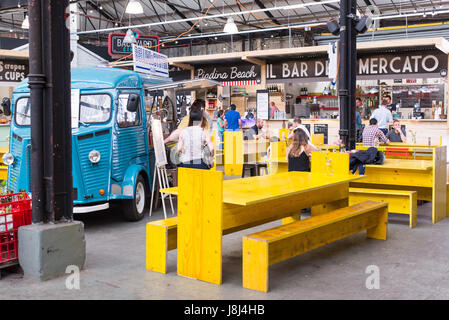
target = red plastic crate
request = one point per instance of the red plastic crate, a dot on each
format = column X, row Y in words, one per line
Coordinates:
column 15, row 211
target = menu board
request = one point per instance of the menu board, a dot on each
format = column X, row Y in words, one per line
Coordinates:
column 158, row 143
column 262, row 102
column 321, row 128
column 409, row 95
column 75, row 105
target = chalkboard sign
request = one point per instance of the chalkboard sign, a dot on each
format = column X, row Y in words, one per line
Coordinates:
column 321, row 128
column 158, row 143
column 425, row 94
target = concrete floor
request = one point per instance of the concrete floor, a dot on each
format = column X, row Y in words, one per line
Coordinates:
column 413, row 264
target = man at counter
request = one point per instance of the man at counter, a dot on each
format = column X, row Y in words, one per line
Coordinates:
column 390, row 106
column 371, row 133
column 365, row 111
column 396, row 134
column 383, row 117
column 233, row 119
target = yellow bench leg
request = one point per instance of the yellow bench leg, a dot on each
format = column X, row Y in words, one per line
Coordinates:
column 156, row 247
column 255, row 264
column 380, row 230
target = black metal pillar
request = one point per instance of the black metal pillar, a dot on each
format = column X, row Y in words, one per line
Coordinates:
column 347, row 73
column 49, row 81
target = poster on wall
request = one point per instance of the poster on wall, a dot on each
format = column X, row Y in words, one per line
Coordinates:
column 262, row 102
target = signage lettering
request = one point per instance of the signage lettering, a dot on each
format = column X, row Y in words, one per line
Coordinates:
column 229, row 73
column 117, row 47
column 416, row 62
column 13, row 70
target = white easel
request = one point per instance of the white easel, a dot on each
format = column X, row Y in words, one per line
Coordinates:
column 159, row 167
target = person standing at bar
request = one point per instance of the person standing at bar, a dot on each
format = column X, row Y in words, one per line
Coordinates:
column 221, row 127
column 233, row 119
column 273, row 109
column 365, row 111
column 390, row 106
column 383, row 117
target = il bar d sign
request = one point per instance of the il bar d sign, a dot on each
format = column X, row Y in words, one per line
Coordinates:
column 117, row 47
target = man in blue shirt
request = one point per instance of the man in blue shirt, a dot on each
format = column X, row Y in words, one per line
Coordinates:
column 233, row 121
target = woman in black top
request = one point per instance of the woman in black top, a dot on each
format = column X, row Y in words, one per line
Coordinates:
column 299, row 152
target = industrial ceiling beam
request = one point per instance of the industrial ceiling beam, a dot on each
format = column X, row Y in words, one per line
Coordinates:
column 268, row 13
column 183, row 16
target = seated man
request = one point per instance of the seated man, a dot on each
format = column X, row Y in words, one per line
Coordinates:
column 396, row 134
column 372, row 133
column 255, row 132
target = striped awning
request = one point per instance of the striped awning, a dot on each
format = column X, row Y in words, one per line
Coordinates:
column 239, row 83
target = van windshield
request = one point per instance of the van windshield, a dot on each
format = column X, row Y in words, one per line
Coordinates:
column 94, row 108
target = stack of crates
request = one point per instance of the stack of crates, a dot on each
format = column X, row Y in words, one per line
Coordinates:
column 15, row 211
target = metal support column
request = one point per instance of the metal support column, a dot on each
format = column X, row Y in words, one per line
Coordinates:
column 347, row 73
column 51, row 136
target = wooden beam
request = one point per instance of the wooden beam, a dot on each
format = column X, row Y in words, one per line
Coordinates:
column 183, row 66
column 254, row 60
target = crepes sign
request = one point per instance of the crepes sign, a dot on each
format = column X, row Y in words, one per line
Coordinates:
column 13, row 70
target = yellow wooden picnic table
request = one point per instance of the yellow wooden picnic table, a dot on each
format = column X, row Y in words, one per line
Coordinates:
column 209, row 207
column 427, row 177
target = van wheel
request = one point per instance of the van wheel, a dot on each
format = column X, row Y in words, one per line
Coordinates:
column 135, row 209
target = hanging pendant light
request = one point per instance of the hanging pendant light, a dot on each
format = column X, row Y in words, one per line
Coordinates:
column 374, row 90
column 26, row 23
column 129, row 37
column 230, row 26
column 134, row 7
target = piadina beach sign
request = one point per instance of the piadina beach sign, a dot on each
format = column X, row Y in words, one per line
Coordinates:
column 228, row 73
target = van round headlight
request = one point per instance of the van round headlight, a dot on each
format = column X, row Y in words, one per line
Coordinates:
column 94, row 156
column 8, row 159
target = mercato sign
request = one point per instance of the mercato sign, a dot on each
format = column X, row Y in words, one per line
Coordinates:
column 416, row 62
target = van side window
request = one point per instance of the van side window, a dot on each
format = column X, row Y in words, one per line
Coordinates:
column 126, row 118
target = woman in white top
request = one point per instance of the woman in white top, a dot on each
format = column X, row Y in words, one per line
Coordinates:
column 194, row 139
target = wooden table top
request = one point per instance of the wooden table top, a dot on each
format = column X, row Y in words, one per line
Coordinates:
column 253, row 190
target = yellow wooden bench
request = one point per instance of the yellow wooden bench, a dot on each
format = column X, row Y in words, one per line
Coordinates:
column 161, row 238
column 399, row 201
column 265, row 248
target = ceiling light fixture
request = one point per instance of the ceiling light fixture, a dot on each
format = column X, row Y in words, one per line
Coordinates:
column 230, row 26
column 26, row 23
column 134, row 7
column 129, row 37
